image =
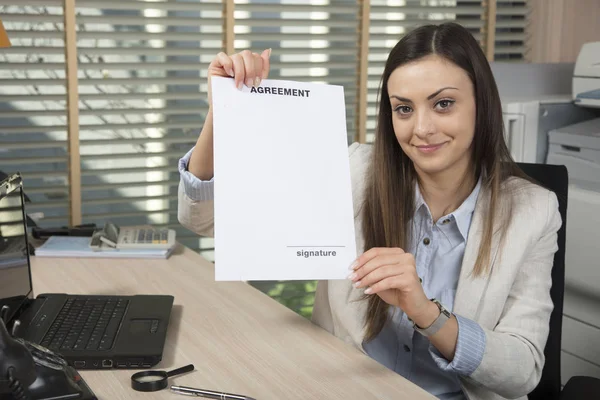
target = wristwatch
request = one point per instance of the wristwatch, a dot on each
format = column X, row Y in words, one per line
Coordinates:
column 437, row 324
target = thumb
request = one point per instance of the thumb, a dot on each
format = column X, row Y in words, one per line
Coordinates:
column 265, row 55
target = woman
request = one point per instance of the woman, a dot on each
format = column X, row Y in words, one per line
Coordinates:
column 453, row 288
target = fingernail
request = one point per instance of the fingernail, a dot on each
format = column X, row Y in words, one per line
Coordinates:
column 352, row 276
column 353, row 265
column 257, row 81
column 240, row 85
column 248, row 82
column 230, row 72
column 270, row 52
column 357, row 284
column 368, row 291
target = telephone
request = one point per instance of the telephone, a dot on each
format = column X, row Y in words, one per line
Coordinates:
column 31, row 372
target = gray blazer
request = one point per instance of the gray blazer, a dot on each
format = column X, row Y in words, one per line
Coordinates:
column 512, row 303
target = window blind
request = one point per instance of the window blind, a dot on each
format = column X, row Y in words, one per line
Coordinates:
column 391, row 19
column 142, row 84
column 32, row 106
column 311, row 41
column 511, row 22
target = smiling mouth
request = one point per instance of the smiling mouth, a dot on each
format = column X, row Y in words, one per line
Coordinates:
column 429, row 148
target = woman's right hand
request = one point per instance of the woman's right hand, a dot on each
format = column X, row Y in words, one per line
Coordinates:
column 245, row 67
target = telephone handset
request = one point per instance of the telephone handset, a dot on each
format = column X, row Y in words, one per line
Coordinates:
column 29, row 371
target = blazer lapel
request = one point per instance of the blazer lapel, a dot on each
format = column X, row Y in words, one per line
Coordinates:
column 470, row 288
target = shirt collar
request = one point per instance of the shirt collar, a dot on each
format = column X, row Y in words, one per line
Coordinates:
column 462, row 215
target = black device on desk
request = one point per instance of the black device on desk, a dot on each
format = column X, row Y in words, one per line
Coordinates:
column 79, row 230
column 31, row 372
column 90, row 332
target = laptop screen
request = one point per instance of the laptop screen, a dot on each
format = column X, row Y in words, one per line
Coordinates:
column 15, row 280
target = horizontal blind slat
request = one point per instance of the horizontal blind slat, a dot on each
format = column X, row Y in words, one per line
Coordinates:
column 154, row 5
column 128, row 170
column 85, row 66
column 289, row 22
column 128, row 200
column 113, row 156
column 277, row 8
column 99, row 111
column 103, row 81
column 31, row 3
column 143, row 213
column 33, row 160
column 114, row 185
column 99, row 35
column 409, row 9
column 141, row 20
column 409, row 23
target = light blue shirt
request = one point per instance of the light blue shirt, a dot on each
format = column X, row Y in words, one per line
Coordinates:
column 398, row 346
column 438, row 249
column 194, row 188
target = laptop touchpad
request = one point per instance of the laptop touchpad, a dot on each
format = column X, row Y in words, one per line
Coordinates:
column 140, row 326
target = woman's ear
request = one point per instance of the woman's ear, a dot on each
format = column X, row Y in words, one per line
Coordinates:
column 4, row 41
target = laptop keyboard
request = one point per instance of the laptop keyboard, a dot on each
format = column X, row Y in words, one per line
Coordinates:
column 86, row 324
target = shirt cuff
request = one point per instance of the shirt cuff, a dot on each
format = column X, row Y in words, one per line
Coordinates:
column 196, row 189
column 470, row 348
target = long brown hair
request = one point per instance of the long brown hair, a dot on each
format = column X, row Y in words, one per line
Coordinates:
column 389, row 195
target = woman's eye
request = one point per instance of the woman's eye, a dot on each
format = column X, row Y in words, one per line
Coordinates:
column 403, row 110
column 444, row 104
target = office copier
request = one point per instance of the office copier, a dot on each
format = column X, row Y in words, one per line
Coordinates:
column 577, row 146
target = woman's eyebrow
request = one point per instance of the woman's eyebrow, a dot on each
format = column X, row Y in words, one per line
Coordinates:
column 431, row 96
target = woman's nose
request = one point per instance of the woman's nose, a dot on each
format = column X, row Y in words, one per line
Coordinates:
column 423, row 125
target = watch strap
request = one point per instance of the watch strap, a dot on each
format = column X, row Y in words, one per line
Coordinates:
column 437, row 324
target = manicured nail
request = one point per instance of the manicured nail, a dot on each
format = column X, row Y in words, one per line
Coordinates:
column 357, row 284
column 240, row 85
column 249, row 82
column 257, row 81
column 230, row 72
column 368, row 291
column 353, row 265
column 270, row 52
column 352, row 276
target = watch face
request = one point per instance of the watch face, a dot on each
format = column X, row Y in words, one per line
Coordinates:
column 441, row 307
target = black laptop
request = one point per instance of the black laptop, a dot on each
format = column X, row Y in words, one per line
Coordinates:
column 91, row 332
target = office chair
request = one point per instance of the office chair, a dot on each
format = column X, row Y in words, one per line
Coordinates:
column 555, row 178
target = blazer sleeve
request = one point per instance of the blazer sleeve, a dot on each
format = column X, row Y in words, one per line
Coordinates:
column 321, row 314
column 514, row 352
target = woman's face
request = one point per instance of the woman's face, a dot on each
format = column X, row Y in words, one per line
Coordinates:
column 433, row 114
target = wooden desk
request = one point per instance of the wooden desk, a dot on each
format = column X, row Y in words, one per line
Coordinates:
column 240, row 340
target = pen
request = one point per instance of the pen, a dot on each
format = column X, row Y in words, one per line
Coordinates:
column 209, row 394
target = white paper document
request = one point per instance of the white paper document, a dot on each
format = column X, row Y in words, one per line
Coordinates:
column 283, row 197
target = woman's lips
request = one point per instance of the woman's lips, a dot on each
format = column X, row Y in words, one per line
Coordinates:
column 430, row 148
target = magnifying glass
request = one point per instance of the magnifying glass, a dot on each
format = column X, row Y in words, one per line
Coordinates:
column 151, row 381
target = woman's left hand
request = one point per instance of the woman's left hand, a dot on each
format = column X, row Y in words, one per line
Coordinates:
column 391, row 273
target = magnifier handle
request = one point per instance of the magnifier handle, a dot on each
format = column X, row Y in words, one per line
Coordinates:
column 182, row 370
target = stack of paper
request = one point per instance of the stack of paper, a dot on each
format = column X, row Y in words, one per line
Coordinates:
column 77, row 246
column 283, row 199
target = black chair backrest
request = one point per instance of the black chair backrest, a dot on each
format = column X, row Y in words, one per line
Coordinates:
column 555, row 178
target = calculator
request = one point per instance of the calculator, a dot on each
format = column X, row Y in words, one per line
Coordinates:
column 133, row 237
